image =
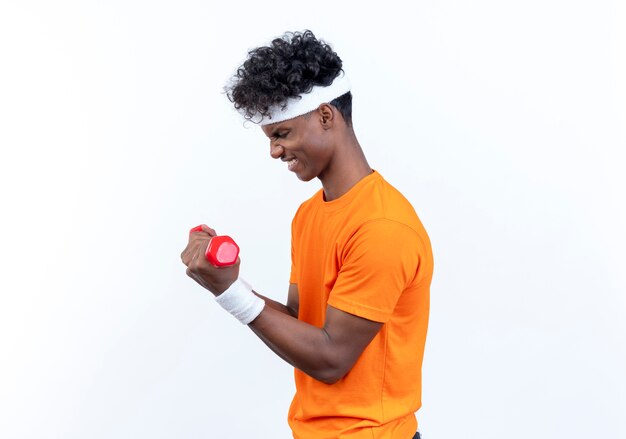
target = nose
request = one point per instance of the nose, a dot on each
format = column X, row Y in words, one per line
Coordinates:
column 276, row 151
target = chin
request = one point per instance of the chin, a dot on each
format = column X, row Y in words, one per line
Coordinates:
column 307, row 173
column 305, row 177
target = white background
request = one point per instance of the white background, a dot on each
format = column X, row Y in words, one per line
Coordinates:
column 502, row 122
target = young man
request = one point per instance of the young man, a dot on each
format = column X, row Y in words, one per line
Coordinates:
column 355, row 321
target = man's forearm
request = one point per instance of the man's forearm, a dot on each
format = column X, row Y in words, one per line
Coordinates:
column 277, row 305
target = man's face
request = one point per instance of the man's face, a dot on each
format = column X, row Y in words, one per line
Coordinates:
column 303, row 144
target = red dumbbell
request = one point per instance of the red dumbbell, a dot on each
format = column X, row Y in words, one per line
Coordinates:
column 222, row 251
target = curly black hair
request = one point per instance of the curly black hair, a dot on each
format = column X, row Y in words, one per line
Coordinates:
column 290, row 66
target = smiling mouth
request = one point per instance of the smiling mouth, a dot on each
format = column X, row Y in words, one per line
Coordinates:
column 291, row 164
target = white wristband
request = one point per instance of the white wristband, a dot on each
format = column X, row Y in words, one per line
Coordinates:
column 241, row 302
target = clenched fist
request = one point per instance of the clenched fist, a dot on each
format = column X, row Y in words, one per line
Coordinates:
column 215, row 279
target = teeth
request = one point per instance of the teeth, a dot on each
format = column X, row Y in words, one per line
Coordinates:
column 292, row 163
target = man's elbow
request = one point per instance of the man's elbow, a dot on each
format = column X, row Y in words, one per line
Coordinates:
column 330, row 375
column 333, row 362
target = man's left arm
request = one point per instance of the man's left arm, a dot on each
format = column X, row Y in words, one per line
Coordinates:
column 329, row 352
column 326, row 353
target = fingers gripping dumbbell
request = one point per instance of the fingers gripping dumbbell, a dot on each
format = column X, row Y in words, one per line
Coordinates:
column 238, row 299
column 222, row 251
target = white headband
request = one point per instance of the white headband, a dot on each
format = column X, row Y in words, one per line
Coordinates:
column 297, row 106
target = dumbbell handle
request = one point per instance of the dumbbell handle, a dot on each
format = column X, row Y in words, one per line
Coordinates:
column 222, row 251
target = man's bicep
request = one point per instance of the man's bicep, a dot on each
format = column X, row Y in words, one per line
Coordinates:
column 348, row 335
column 293, row 300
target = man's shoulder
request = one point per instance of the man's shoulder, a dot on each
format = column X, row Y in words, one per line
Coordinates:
column 385, row 201
column 374, row 199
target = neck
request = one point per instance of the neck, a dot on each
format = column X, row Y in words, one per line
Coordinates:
column 348, row 167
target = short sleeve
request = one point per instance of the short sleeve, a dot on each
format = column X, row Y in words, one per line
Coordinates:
column 379, row 261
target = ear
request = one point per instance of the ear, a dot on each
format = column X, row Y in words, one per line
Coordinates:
column 326, row 114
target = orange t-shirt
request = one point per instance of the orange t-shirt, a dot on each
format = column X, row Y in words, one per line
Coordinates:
column 365, row 253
